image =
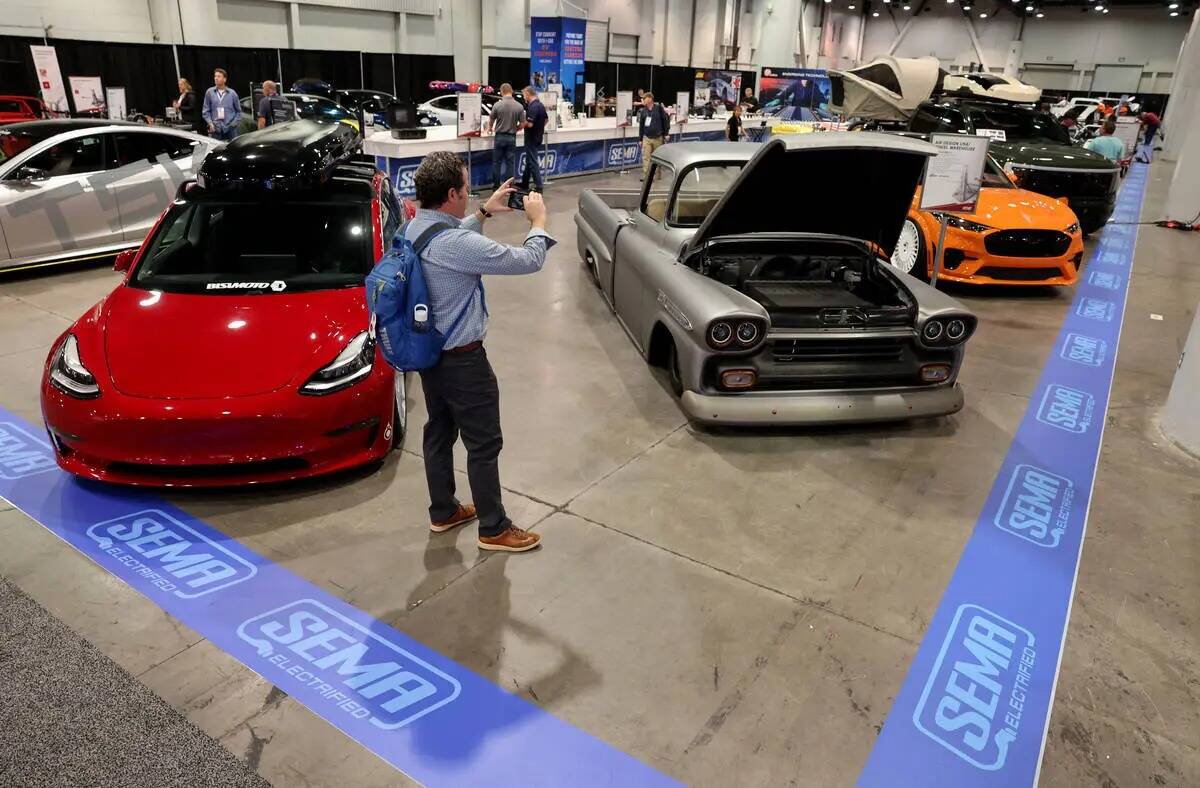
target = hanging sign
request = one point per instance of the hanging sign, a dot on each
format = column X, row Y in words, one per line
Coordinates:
column 50, row 81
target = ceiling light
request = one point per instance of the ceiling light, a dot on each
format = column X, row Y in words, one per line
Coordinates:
column 983, row 14
column 1174, row 13
column 1099, row 8
column 1106, row 10
column 1028, row 9
column 1173, row 6
column 1039, row 15
column 907, row 8
column 874, row 13
column 851, row 6
column 967, row 7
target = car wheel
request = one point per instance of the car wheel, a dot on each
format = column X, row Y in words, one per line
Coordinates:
column 674, row 376
column 400, row 409
column 909, row 255
column 589, row 260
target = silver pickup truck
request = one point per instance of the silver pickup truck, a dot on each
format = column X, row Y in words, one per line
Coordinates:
column 756, row 275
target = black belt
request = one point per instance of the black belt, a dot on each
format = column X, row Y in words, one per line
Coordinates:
column 467, row 348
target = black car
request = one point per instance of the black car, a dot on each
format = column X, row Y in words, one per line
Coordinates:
column 375, row 103
column 1035, row 148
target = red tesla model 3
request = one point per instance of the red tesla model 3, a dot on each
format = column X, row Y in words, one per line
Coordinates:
column 237, row 348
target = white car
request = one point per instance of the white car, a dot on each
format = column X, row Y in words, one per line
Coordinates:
column 445, row 108
column 79, row 189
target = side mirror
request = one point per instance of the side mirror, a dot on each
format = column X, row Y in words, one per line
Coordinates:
column 125, row 260
column 28, row 175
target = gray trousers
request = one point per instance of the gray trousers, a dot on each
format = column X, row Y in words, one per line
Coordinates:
column 462, row 398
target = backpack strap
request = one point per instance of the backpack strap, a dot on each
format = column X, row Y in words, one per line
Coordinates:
column 428, row 235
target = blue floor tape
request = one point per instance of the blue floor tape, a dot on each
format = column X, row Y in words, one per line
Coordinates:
column 975, row 707
column 429, row 717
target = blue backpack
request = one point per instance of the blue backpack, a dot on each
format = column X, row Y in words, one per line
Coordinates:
column 398, row 300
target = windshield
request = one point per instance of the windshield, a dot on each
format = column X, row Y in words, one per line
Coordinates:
column 699, row 190
column 994, row 177
column 14, row 141
column 256, row 248
column 1019, row 125
column 319, row 110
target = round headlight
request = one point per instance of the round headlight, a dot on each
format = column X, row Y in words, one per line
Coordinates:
column 955, row 330
column 747, row 333
column 720, row 334
column 932, row 331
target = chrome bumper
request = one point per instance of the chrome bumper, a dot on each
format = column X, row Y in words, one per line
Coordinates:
column 821, row 407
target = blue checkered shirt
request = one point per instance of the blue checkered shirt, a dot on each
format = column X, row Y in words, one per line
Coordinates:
column 455, row 261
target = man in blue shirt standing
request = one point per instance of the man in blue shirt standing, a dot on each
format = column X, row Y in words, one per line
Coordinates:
column 653, row 126
column 535, row 126
column 222, row 108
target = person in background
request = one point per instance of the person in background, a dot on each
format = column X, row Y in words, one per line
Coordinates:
column 749, row 101
column 222, row 108
column 265, row 116
column 188, row 107
column 1150, row 124
column 653, row 126
column 507, row 116
column 1107, row 145
column 535, row 126
column 733, row 129
column 462, row 396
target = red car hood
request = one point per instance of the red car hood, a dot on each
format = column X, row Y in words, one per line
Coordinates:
column 182, row 346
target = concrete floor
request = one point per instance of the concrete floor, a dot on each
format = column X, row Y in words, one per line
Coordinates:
column 733, row 608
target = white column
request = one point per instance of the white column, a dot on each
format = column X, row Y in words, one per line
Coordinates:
column 1185, row 93
column 1181, row 419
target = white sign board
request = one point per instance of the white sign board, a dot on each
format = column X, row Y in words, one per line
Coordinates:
column 953, row 177
column 993, row 134
column 50, row 81
column 88, row 94
column 470, row 114
column 624, row 107
column 115, row 97
column 1127, row 132
column 683, row 100
column 589, row 93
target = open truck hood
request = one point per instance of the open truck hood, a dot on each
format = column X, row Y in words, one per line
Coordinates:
column 854, row 184
column 887, row 88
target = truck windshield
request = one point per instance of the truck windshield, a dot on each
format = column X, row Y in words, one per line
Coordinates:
column 699, row 190
column 1019, row 125
column 267, row 247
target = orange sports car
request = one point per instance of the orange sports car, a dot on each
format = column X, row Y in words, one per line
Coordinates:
column 1014, row 237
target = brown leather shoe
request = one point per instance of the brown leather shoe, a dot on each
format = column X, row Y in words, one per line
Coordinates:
column 512, row 540
column 465, row 514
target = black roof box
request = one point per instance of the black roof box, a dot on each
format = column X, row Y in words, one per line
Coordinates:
column 296, row 155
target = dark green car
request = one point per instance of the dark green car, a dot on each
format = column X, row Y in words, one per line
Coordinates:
column 1035, row 148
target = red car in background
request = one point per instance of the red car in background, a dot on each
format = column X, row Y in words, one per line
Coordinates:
column 237, row 349
column 18, row 109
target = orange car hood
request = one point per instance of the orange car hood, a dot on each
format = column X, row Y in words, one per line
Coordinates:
column 1012, row 209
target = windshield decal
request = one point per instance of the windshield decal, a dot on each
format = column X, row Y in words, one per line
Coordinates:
column 278, row 285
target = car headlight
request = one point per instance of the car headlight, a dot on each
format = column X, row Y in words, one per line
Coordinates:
column 961, row 223
column 69, row 375
column 1073, row 228
column 720, row 334
column 947, row 330
column 351, row 365
column 747, row 333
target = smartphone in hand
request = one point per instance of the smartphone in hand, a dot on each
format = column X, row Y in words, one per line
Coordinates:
column 516, row 200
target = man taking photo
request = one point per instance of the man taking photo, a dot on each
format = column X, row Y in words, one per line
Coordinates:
column 535, row 127
column 222, row 108
column 653, row 127
column 461, row 393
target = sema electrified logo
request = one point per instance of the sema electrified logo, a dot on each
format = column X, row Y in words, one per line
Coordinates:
column 621, row 153
column 1105, row 280
column 974, row 699
column 403, row 179
column 173, row 556
column 23, row 454
column 361, row 673
column 547, row 162
column 1085, row 350
column 1096, row 309
column 1036, row 506
column 1066, row 409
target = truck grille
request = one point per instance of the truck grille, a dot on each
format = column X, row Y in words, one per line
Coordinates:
column 1067, row 183
column 1027, row 243
column 804, row 350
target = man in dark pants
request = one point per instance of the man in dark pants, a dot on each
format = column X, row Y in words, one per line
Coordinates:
column 653, row 127
column 535, row 125
column 461, row 393
column 506, row 117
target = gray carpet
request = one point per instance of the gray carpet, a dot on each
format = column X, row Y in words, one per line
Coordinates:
column 70, row 716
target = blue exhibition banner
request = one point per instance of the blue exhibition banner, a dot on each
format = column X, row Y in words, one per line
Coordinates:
column 570, row 70
column 564, row 158
column 975, row 707
column 428, row 716
column 545, row 50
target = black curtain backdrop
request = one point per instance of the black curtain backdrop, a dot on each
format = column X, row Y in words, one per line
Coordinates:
column 415, row 72
column 513, row 70
column 377, row 72
column 669, row 80
column 243, row 65
column 17, row 76
column 341, row 69
column 603, row 74
column 631, row 76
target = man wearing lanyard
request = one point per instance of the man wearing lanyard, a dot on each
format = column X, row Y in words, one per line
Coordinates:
column 461, row 393
column 653, row 127
column 222, row 108
column 535, row 125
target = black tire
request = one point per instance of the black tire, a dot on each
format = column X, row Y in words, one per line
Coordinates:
column 920, row 268
column 589, row 260
column 674, row 376
column 400, row 417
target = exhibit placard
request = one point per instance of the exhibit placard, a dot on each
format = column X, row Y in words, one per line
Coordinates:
column 683, row 100
column 50, row 81
column 1128, row 129
column 115, row 97
column 624, row 107
column 954, row 176
column 470, row 114
column 999, row 135
column 712, row 85
column 88, row 95
column 589, row 93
